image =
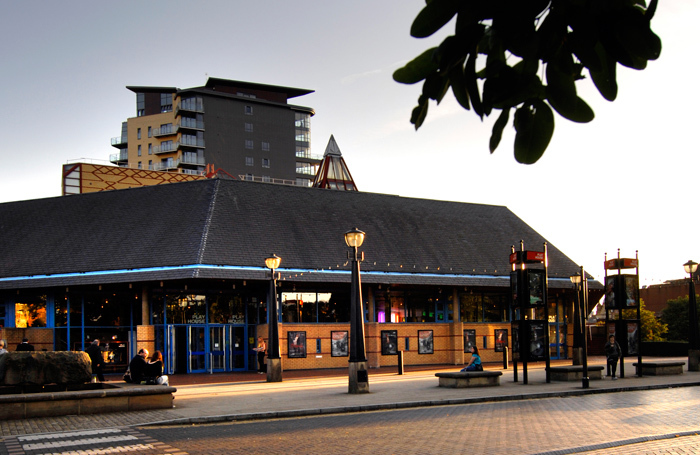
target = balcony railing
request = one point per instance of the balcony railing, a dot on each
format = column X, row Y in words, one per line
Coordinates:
column 190, row 141
column 119, row 157
column 165, row 148
column 174, row 164
column 165, row 131
column 192, row 124
column 190, row 105
column 309, row 156
column 118, row 141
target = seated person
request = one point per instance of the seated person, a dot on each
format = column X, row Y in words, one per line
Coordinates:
column 154, row 370
column 475, row 362
column 137, row 366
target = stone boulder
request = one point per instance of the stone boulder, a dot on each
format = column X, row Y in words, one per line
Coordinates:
column 61, row 367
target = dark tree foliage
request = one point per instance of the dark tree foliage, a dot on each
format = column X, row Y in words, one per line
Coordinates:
column 675, row 315
column 535, row 51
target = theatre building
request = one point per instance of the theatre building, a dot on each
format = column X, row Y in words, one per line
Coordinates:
column 181, row 268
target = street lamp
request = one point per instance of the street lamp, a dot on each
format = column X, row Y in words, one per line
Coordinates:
column 582, row 303
column 576, row 280
column 274, row 362
column 357, row 371
column 693, row 341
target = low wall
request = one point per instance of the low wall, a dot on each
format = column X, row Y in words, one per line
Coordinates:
column 107, row 398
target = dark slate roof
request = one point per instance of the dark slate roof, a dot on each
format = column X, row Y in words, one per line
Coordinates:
column 226, row 228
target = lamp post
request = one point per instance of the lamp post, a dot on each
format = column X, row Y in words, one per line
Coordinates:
column 693, row 339
column 576, row 350
column 582, row 304
column 274, row 362
column 358, row 380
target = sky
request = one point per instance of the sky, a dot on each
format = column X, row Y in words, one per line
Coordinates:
column 628, row 180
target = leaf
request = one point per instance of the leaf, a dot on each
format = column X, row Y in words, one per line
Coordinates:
column 497, row 132
column 534, row 127
column 417, row 69
column 605, row 78
column 420, row 112
column 435, row 86
column 561, row 90
column 472, row 87
column 433, row 17
column 459, row 87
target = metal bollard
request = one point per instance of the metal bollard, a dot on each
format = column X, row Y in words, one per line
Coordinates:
column 400, row 362
column 505, row 358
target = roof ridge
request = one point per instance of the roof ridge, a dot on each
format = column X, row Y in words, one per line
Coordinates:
column 207, row 222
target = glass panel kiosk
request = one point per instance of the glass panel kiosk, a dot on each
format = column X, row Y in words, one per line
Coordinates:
column 529, row 327
column 622, row 309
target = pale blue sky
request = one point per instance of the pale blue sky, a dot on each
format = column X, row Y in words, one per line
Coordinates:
column 66, row 65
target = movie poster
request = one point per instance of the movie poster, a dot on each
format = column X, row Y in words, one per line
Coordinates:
column 389, row 342
column 296, row 344
column 469, row 339
column 339, row 344
column 501, row 339
column 425, row 342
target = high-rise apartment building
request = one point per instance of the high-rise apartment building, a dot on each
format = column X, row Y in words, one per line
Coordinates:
column 248, row 130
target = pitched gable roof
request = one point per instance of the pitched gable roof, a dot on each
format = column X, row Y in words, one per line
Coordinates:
column 226, row 228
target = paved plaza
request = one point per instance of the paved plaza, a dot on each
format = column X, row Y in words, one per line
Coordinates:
column 402, row 413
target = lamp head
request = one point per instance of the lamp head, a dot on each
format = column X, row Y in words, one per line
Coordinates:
column 690, row 267
column 354, row 238
column 576, row 279
column 273, row 262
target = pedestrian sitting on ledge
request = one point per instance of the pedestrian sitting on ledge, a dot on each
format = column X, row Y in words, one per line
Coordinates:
column 475, row 362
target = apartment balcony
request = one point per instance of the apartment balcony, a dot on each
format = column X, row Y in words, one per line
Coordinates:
column 191, row 161
column 191, row 124
column 165, row 147
column 119, row 142
column 169, row 165
column 165, row 131
column 190, row 105
column 189, row 141
column 309, row 156
column 119, row 158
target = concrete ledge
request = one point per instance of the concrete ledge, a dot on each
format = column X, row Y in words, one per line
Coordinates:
column 574, row 372
column 660, row 368
column 462, row 379
column 115, row 398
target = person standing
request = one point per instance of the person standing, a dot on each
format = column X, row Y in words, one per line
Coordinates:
column 96, row 358
column 612, row 352
column 25, row 346
column 261, row 348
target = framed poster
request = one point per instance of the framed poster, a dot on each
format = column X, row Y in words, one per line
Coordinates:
column 296, row 345
column 501, row 339
column 389, row 342
column 536, row 287
column 537, row 341
column 469, row 339
column 339, row 344
column 631, row 283
column 632, row 345
column 425, row 342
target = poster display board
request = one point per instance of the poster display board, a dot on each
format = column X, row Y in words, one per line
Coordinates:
column 469, row 339
column 389, row 342
column 501, row 339
column 296, row 345
column 339, row 344
column 425, row 342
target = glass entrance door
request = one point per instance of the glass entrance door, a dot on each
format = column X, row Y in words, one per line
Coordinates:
column 237, row 345
column 196, row 349
column 217, row 348
column 557, row 341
